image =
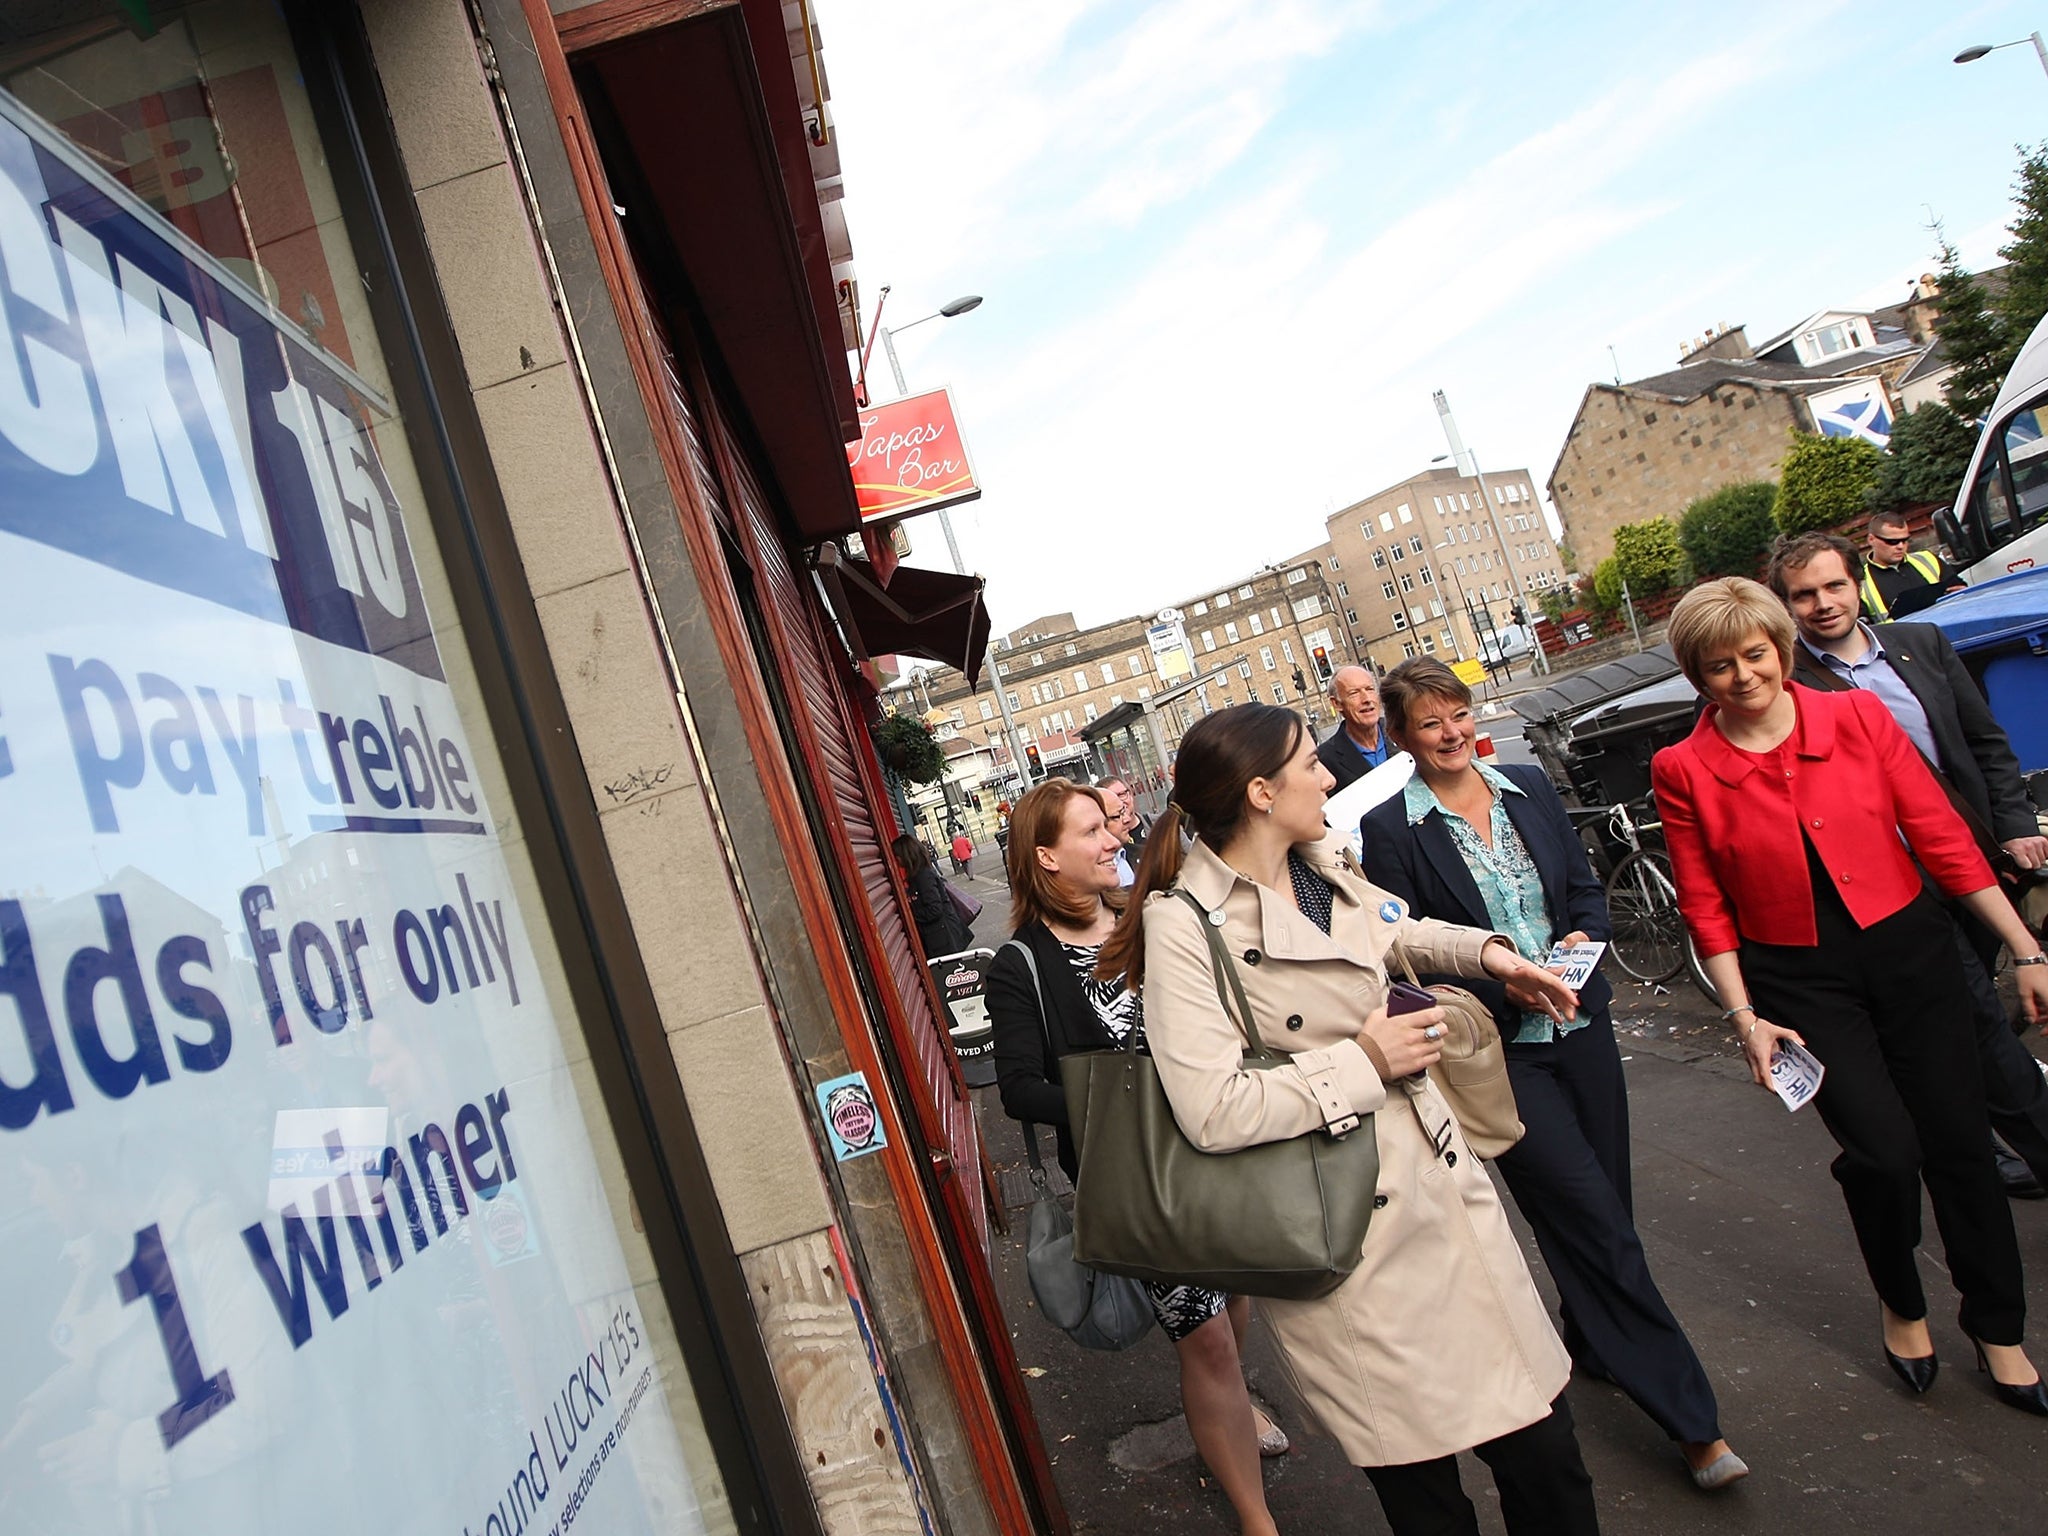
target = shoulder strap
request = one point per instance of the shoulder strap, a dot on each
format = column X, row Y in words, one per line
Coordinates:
column 1030, row 1128
column 1224, row 971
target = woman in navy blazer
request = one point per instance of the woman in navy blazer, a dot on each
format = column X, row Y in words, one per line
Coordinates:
column 1794, row 818
column 1493, row 848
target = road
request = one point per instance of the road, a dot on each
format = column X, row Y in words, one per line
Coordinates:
column 1747, row 1235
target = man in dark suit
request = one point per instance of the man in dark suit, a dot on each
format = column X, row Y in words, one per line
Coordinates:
column 1359, row 744
column 1918, row 675
column 1128, row 825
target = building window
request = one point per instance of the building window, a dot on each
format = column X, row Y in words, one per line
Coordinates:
column 1387, row 590
column 1350, row 615
column 1266, row 657
column 1464, row 501
column 1200, row 609
column 1245, row 593
column 1037, row 659
column 1137, row 667
column 1287, row 650
column 1416, row 544
column 1428, row 577
column 1109, row 671
column 1404, row 514
column 1298, row 574
column 1400, row 622
column 1439, row 505
column 1230, row 632
column 1208, row 639
column 1407, row 582
column 988, row 710
column 1408, row 649
column 1070, row 648
column 1088, row 713
column 1333, row 564
column 1002, row 669
column 1449, row 643
column 1222, row 599
column 1144, row 693
column 1244, row 670
column 1258, row 622
column 1279, row 693
column 1115, row 699
column 1343, row 589
column 1307, row 609
column 1080, row 682
column 1011, row 699
column 1436, row 609
column 1379, row 559
column 1400, row 553
column 1037, row 694
column 1366, row 531
column 1429, row 645
column 1386, row 522
column 1274, row 618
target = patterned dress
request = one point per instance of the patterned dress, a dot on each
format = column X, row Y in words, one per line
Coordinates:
column 1180, row 1309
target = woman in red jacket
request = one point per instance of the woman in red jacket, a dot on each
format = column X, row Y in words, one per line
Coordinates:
column 1790, row 815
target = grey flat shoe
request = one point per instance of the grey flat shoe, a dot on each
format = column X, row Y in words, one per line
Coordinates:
column 1273, row 1439
column 1720, row 1472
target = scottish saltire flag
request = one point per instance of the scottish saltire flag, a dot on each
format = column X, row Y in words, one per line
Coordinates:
column 1860, row 410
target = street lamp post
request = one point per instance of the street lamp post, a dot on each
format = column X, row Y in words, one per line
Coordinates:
column 1517, row 583
column 959, row 306
column 1973, row 54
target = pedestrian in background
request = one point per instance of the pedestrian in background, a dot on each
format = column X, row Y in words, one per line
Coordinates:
column 963, row 852
column 1126, row 823
column 1437, row 1342
column 1794, row 820
column 1064, row 901
column 1896, row 583
column 940, row 927
column 1493, row 848
column 1359, row 743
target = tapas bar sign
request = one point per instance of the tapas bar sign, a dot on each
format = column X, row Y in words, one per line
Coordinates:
column 910, row 458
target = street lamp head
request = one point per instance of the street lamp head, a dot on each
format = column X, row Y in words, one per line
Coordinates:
column 1972, row 55
column 961, row 305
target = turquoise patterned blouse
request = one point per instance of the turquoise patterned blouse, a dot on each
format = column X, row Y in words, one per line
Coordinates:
column 1508, row 882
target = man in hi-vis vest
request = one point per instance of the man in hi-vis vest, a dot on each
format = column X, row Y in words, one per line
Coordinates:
column 1896, row 583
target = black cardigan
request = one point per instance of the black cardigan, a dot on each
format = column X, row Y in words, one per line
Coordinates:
column 1027, row 1078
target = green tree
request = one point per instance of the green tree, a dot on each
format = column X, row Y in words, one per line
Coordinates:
column 1930, row 450
column 1607, row 584
column 1648, row 555
column 1824, row 482
column 1726, row 532
column 1973, row 339
column 2025, row 298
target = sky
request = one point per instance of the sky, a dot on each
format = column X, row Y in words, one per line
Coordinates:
column 1228, row 251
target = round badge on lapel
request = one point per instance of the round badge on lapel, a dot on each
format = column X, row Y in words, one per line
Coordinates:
column 1390, row 911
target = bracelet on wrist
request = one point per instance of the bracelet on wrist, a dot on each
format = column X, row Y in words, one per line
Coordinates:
column 1728, row 1016
column 2033, row 959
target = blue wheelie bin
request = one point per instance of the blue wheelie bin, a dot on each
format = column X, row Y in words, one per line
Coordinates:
column 2000, row 629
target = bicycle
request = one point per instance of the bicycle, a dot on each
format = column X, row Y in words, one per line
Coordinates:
column 1651, row 942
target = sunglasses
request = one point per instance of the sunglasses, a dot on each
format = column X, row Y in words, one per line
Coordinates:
column 1878, row 538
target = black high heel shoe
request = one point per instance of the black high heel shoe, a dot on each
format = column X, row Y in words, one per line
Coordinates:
column 2031, row 1398
column 1916, row 1371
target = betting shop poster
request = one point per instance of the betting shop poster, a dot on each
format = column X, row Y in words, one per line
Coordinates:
column 301, row 1229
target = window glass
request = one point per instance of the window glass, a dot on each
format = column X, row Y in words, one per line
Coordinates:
column 2027, row 453
column 308, row 1197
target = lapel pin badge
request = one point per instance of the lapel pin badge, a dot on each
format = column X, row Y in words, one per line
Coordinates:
column 1390, row 911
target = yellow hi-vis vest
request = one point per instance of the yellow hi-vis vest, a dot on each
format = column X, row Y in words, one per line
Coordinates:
column 1926, row 562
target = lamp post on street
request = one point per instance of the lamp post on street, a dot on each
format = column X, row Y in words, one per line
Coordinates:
column 888, row 334
column 1973, row 54
column 1461, row 456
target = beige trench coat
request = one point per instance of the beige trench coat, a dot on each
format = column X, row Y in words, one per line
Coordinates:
column 1438, row 1340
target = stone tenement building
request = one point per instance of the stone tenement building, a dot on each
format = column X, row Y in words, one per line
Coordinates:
column 1245, row 640
column 1649, row 448
column 1409, row 559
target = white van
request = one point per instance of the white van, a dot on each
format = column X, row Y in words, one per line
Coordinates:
column 2000, row 521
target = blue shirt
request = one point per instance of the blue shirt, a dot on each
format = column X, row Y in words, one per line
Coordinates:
column 1373, row 756
column 1874, row 672
column 1508, row 880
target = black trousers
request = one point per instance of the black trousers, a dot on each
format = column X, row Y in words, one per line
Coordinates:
column 2015, row 1093
column 1569, row 1174
column 1887, row 1010
column 1545, row 1489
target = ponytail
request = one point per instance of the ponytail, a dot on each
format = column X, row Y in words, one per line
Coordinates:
column 1123, row 952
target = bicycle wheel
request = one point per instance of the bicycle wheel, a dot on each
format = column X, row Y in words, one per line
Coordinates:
column 1649, row 935
column 1699, row 972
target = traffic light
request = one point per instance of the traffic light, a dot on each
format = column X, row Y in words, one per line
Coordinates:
column 1519, row 614
column 1031, row 759
column 1300, row 683
column 1322, row 657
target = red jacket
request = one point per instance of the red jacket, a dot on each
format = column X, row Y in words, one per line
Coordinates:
column 1848, row 777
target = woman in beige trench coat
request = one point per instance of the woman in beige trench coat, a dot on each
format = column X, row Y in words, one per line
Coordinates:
column 1437, row 1342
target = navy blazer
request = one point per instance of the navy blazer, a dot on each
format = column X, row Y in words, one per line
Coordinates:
column 1422, row 865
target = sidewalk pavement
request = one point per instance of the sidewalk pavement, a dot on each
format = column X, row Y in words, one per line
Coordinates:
column 1748, row 1238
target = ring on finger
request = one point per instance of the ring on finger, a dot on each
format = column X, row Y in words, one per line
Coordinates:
column 1432, row 1033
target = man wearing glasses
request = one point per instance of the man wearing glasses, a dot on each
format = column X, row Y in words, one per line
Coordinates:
column 1896, row 583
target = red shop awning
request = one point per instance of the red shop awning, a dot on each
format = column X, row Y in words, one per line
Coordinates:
column 932, row 614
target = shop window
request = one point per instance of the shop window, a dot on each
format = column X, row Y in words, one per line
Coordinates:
column 323, row 1255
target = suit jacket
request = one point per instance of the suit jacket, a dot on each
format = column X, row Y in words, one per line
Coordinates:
column 1422, row 865
column 1976, row 758
column 1852, row 783
column 1027, row 1063
column 1438, row 1340
column 1341, row 756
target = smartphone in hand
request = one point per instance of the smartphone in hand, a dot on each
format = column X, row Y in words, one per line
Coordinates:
column 1403, row 997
